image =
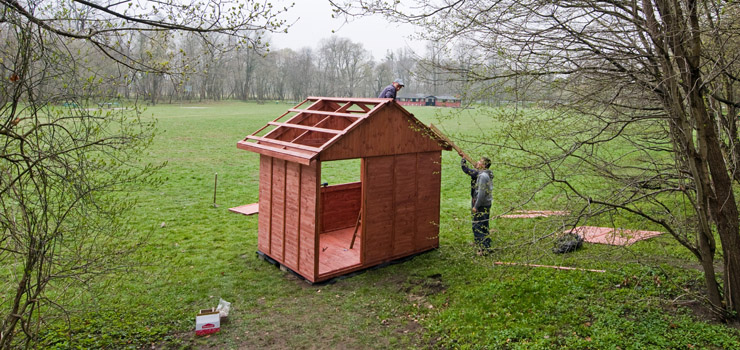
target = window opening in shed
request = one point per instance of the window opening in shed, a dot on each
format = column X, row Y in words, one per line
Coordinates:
column 341, row 198
column 340, row 171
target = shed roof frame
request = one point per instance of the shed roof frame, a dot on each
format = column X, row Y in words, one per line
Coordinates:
column 313, row 129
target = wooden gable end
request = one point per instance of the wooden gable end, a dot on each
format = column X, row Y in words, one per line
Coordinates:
column 390, row 130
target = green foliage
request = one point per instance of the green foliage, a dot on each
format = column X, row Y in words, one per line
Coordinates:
column 447, row 298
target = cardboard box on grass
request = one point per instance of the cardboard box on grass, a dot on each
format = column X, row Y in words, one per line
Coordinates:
column 207, row 321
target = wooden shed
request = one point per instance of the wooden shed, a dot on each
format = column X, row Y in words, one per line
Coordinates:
column 308, row 227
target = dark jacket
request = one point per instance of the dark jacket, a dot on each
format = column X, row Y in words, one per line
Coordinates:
column 473, row 173
column 484, row 190
column 388, row 92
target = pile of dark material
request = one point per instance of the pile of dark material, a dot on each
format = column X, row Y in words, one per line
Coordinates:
column 567, row 243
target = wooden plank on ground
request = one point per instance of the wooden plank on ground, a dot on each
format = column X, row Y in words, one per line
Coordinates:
column 612, row 236
column 548, row 266
column 246, row 209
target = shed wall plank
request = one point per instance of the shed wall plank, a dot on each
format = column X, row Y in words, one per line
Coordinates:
column 278, row 209
column 308, row 256
column 428, row 187
column 292, row 212
column 405, row 203
column 265, row 200
column 378, row 222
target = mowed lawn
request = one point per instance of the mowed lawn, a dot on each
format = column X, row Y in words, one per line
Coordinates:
column 196, row 253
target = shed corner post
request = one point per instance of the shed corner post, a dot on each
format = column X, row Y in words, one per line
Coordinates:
column 317, row 220
column 363, row 209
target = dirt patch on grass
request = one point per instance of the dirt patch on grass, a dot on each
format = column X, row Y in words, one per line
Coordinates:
column 424, row 286
column 702, row 311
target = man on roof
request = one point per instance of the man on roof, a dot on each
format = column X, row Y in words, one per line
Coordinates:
column 390, row 90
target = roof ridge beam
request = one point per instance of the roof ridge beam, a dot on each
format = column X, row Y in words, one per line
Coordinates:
column 336, row 114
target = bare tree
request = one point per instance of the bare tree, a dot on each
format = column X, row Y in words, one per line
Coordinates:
column 61, row 162
column 262, row 79
column 302, row 74
column 655, row 76
column 431, row 66
column 405, row 66
column 382, row 75
column 343, row 65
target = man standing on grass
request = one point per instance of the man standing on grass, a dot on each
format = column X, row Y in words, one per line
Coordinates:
column 481, row 189
column 390, row 90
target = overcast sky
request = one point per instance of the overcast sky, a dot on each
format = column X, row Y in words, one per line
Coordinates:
column 314, row 22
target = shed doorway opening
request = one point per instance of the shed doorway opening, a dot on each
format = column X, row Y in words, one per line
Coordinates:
column 340, row 205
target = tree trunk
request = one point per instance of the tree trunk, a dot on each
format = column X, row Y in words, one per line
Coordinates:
column 723, row 207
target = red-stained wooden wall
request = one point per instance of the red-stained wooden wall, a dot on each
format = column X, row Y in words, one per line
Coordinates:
column 402, row 215
column 340, row 205
column 287, row 221
column 387, row 132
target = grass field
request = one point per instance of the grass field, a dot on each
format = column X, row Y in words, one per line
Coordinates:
column 196, row 253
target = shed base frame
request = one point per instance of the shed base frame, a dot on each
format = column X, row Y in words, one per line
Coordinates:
column 332, row 280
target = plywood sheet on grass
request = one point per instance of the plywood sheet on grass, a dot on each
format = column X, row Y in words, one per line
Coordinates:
column 246, row 209
column 612, row 236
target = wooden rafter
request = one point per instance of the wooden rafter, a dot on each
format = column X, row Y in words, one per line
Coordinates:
column 293, row 156
column 284, row 143
column 446, row 139
column 307, row 131
column 281, row 116
column 310, row 128
column 344, row 108
column 363, row 107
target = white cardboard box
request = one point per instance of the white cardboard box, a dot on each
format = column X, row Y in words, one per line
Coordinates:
column 207, row 321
